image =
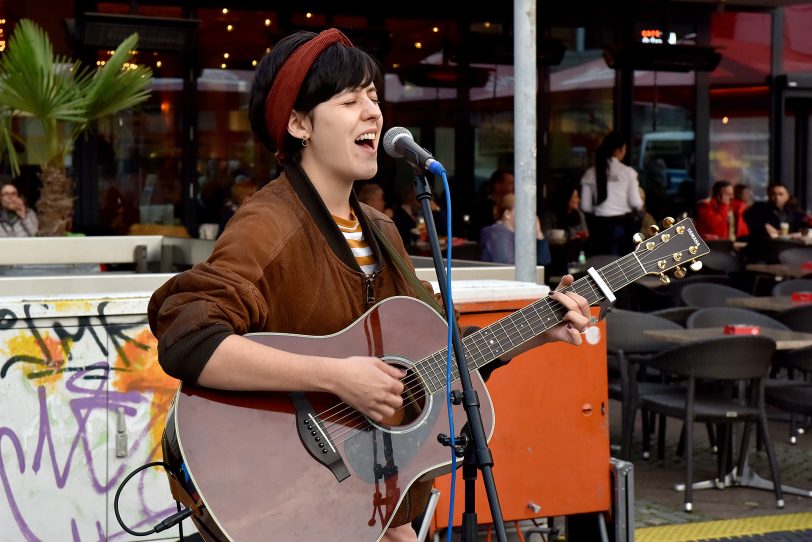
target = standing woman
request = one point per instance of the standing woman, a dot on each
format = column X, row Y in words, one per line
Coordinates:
column 301, row 256
column 610, row 192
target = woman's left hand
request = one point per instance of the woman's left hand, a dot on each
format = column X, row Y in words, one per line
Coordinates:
column 575, row 320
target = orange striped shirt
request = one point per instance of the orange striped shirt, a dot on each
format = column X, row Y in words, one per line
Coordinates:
column 355, row 238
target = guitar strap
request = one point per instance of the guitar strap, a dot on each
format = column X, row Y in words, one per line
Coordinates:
column 417, row 287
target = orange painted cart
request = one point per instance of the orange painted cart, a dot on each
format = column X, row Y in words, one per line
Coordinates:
column 551, row 436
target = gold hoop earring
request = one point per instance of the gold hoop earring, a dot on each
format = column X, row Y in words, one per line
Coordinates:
column 305, row 142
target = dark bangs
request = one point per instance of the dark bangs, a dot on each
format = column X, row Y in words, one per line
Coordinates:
column 339, row 68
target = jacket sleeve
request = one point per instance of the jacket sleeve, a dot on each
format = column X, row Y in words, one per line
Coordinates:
column 30, row 223
column 196, row 310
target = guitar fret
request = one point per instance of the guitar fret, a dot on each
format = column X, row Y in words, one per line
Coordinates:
column 513, row 330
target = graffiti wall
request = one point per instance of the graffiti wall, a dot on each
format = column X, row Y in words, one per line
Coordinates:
column 73, row 373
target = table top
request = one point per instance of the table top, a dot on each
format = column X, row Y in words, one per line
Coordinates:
column 779, row 269
column 765, row 303
column 784, row 340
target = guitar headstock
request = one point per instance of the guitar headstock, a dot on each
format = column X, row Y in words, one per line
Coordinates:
column 672, row 248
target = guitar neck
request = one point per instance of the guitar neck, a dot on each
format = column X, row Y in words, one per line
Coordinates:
column 495, row 340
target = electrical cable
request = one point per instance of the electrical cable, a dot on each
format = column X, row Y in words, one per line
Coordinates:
column 171, row 521
column 449, row 307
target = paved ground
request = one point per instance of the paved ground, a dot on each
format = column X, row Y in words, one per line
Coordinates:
column 657, row 503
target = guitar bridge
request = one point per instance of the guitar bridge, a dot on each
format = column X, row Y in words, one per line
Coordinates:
column 315, row 439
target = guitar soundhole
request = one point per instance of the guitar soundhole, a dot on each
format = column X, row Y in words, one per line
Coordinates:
column 414, row 400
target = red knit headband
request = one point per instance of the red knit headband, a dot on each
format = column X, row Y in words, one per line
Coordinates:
column 288, row 82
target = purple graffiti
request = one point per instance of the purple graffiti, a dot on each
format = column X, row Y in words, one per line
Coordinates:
column 90, row 395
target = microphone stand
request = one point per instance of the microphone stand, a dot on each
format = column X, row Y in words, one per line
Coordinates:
column 472, row 444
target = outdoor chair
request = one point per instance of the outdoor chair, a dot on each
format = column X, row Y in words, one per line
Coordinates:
column 677, row 285
column 797, row 318
column 795, row 256
column 627, row 346
column 789, row 287
column 721, row 261
column 723, row 361
column 721, row 316
column 792, row 394
column 678, row 315
column 709, row 295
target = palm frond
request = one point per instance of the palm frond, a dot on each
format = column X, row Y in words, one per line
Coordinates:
column 115, row 87
column 34, row 81
column 7, row 143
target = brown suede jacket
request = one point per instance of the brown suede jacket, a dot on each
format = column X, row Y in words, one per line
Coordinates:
column 281, row 265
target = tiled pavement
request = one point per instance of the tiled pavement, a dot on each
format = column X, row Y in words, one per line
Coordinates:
column 657, row 503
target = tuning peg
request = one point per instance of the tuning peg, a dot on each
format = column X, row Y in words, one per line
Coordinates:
column 664, row 279
column 695, row 265
column 679, row 272
column 668, row 222
column 653, row 229
column 638, row 238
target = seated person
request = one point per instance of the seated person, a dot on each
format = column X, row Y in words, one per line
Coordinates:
column 716, row 218
column 372, row 194
column 498, row 239
column 765, row 217
column 568, row 216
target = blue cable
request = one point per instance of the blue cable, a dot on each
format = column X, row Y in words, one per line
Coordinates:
column 450, row 307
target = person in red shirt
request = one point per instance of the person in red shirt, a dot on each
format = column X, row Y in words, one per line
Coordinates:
column 717, row 218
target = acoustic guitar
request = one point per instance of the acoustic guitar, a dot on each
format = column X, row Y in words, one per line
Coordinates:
column 304, row 466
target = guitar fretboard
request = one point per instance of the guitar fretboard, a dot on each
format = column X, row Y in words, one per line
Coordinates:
column 489, row 343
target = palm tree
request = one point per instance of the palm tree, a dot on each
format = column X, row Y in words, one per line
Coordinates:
column 66, row 99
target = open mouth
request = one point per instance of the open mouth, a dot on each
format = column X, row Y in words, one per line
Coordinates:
column 366, row 140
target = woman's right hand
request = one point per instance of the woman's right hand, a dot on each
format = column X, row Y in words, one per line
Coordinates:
column 369, row 385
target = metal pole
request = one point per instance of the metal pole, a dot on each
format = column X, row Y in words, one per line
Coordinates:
column 524, row 136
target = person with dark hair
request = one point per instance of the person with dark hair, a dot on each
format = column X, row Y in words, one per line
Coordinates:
column 610, row 193
column 372, row 194
column 498, row 241
column 717, row 218
column 16, row 219
column 486, row 206
column 302, row 256
column 777, row 216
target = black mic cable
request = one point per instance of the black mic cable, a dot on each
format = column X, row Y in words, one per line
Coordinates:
column 171, row 521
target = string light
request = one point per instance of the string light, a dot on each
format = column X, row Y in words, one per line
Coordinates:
column 418, row 45
column 225, row 55
column 308, row 15
column 435, row 29
column 158, row 64
column 225, row 11
column 253, row 62
column 395, row 66
column 725, row 120
column 268, row 50
column 230, row 27
column 223, row 65
column 267, row 22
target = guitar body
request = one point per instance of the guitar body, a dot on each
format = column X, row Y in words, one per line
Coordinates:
column 263, row 474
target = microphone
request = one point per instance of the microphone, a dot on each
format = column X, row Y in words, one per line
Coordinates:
column 399, row 143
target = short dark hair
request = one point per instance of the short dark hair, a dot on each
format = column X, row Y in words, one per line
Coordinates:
column 717, row 187
column 338, row 68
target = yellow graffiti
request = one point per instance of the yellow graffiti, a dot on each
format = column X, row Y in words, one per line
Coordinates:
column 43, row 369
column 144, row 375
column 74, row 305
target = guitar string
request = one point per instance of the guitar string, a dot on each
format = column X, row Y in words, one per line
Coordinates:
column 618, row 264
column 473, row 344
column 415, row 378
column 574, row 286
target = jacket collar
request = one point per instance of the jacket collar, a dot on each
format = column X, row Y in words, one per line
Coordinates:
column 324, row 221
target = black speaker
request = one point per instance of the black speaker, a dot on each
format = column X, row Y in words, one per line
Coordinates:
column 662, row 57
